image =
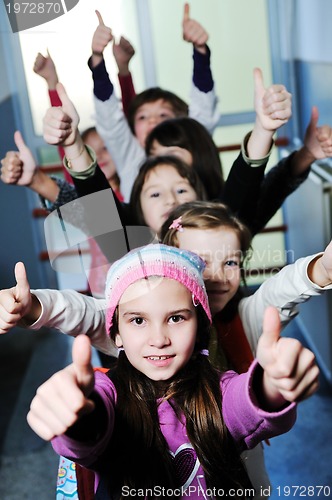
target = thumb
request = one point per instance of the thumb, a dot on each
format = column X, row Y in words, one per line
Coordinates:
column 82, row 363
column 271, row 327
column 268, row 340
column 314, row 117
column 22, row 284
column 63, row 95
column 258, row 81
column 100, row 19
column 186, row 12
column 20, row 144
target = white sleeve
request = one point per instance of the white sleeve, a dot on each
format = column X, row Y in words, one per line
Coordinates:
column 123, row 146
column 285, row 291
column 203, row 108
column 74, row 313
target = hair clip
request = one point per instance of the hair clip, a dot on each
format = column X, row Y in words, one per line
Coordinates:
column 176, row 224
column 205, row 352
column 195, row 300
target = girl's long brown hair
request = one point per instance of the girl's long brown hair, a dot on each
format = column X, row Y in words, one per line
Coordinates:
column 139, row 457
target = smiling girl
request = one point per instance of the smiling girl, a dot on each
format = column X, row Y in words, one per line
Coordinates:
column 164, row 420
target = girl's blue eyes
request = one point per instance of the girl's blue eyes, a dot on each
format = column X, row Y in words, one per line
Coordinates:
column 232, row 263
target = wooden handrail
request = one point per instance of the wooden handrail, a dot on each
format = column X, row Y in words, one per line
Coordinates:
column 51, row 169
column 275, row 229
column 280, row 141
column 39, row 213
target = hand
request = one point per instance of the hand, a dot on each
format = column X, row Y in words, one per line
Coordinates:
column 318, row 140
column 193, row 32
column 290, row 371
column 101, row 38
column 15, row 302
column 123, row 52
column 18, row 167
column 45, row 67
column 273, row 105
column 63, row 399
column 60, row 124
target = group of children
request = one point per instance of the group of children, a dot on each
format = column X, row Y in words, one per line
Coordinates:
column 199, row 373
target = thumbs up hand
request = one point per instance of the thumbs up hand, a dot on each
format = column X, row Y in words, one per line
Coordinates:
column 273, row 105
column 290, row 371
column 60, row 124
column 16, row 302
column 101, row 38
column 318, row 140
column 63, row 399
column 18, row 167
column 194, row 32
column 44, row 66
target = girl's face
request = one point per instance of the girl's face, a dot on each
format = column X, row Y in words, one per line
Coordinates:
column 163, row 190
column 220, row 249
column 148, row 116
column 157, row 326
column 158, row 150
column 104, row 159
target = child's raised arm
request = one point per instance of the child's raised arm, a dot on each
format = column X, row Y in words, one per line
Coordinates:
column 193, row 32
column 273, row 106
column 101, row 38
column 123, row 53
column 60, row 127
column 45, row 67
column 290, row 370
column 203, row 101
column 18, row 303
column 53, row 410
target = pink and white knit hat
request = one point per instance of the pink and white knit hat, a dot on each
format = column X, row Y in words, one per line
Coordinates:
column 155, row 260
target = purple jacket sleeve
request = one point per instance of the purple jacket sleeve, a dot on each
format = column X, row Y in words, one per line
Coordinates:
column 247, row 423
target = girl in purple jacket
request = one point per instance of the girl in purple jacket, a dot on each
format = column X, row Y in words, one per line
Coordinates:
column 163, row 421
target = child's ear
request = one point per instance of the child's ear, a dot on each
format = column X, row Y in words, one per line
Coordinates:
column 118, row 340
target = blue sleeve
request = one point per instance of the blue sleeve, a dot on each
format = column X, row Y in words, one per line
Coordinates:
column 202, row 75
column 102, row 85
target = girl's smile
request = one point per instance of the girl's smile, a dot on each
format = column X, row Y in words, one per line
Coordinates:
column 157, row 326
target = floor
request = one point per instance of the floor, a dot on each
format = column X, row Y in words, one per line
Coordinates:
column 301, row 458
